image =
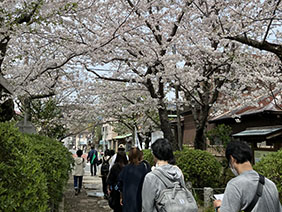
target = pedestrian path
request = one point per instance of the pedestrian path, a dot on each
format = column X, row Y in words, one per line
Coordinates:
column 89, row 200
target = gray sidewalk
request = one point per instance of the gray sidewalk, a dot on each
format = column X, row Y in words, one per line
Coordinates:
column 90, row 199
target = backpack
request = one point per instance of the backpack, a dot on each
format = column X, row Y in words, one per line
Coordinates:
column 105, row 168
column 175, row 197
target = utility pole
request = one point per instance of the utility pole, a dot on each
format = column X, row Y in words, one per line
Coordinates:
column 179, row 131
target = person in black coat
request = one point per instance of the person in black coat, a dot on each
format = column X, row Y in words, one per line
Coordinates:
column 113, row 183
column 131, row 181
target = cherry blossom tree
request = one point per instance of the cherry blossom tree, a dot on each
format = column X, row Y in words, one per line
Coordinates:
column 53, row 48
column 40, row 40
column 205, row 62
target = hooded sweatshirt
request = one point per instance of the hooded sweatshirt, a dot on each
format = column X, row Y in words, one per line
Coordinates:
column 79, row 164
column 153, row 186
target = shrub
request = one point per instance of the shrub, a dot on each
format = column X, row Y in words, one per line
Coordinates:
column 226, row 174
column 199, row 167
column 270, row 167
column 220, row 135
column 33, row 171
column 23, row 185
column 55, row 162
column 148, row 156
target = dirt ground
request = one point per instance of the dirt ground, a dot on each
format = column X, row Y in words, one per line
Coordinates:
column 82, row 202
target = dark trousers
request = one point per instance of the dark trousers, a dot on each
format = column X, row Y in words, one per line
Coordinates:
column 105, row 190
column 95, row 168
column 77, row 180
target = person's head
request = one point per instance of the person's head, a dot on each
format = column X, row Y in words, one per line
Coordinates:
column 112, row 152
column 79, row 153
column 135, row 155
column 121, row 147
column 162, row 150
column 107, row 152
column 121, row 158
column 92, row 147
column 240, row 151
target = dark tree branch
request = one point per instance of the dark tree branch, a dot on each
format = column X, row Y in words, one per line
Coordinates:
column 42, row 96
column 110, row 78
column 267, row 46
column 270, row 22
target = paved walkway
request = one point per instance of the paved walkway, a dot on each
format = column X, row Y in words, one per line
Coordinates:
column 90, row 199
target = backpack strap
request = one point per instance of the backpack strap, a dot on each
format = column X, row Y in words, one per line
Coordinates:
column 146, row 164
column 257, row 195
column 108, row 159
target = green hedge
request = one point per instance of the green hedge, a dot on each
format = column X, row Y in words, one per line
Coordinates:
column 271, row 167
column 148, row 156
column 33, row 171
column 23, row 185
column 56, row 160
column 199, row 167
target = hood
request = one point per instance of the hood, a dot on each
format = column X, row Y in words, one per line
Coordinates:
column 78, row 160
column 172, row 172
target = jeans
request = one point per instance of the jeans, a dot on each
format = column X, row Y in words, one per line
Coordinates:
column 105, row 190
column 95, row 168
column 79, row 179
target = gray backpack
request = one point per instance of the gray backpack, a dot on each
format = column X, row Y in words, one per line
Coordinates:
column 175, row 197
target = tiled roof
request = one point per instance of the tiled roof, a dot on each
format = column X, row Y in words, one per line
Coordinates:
column 267, row 104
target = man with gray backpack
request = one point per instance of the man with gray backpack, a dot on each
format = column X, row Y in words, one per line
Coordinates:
column 164, row 189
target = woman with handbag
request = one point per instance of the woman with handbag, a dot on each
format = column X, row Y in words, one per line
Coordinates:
column 112, row 181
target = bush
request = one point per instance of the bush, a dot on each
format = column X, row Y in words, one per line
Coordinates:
column 199, row 167
column 270, row 167
column 148, row 156
column 33, row 171
column 226, row 174
column 220, row 135
column 55, row 162
column 23, row 185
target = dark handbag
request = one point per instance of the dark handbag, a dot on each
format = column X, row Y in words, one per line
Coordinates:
column 114, row 199
column 99, row 162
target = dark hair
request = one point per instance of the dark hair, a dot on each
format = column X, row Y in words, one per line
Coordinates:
column 79, row 153
column 107, row 152
column 92, row 147
column 239, row 150
column 135, row 155
column 112, row 152
column 121, row 158
column 162, row 150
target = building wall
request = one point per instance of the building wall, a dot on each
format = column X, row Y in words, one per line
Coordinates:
column 190, row 130
column 108, row 132
column 82, row 139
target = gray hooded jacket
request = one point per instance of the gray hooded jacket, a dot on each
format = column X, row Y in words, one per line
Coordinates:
column 152, row 186
column 79, row 164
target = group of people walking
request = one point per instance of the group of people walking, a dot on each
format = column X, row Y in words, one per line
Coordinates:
column 125, row 179
column 132, row 185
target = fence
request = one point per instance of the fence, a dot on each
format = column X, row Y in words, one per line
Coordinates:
column 208, row 193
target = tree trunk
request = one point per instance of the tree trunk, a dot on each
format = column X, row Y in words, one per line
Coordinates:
column 200, row 118
column 166, row 127
column 200, row 140
column 3, row 48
